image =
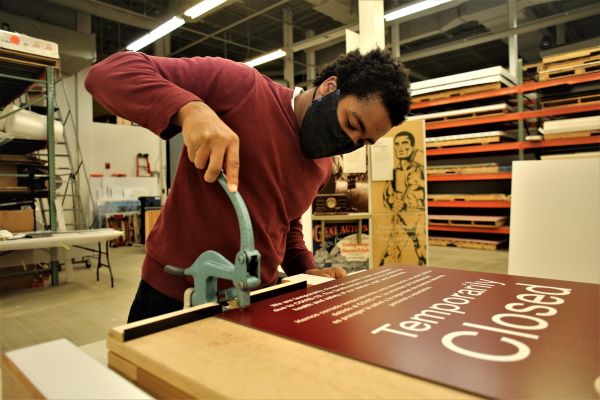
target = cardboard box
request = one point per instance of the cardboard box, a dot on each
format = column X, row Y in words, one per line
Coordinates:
column 16, row 220
column 23, row 277
column 8, row 181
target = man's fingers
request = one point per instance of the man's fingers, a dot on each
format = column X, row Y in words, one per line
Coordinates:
column 340, row 273
column 215, row 165
column 191, row 152
column 201, row 157
column 232, row 167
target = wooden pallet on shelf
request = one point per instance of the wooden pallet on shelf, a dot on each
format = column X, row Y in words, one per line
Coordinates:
column 465, row 113
column 466, row 141
column 590, row 51
column 569, row 68
column 469, row 197
column 479, row 221
column 456, row 92
column 484, row 168
column 570, row 100
column 479, row 244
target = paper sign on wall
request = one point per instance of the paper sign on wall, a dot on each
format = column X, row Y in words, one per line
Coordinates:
column 382, row 159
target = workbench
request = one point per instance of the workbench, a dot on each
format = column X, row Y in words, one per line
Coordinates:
column 213, row 358
column 223, row 359
column 59, row 245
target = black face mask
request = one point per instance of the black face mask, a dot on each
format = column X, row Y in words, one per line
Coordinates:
column 321, row 134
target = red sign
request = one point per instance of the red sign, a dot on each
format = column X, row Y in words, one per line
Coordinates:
column 495, row 335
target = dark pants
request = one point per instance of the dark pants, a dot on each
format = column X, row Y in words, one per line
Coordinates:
column 149, row 302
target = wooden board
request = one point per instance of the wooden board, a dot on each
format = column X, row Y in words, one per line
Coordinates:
column 486, row 168
column 456, row 92
column 570, row 100
column 469, row 197
column 150, row 219
column 468, row 220
column 213, row 358
column 18, row 57
column 465, row 243
column 15, row 384
column 565, row 135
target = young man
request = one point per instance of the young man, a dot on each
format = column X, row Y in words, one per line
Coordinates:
column 274, row 145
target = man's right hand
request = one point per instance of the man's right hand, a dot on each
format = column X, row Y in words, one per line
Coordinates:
column 211, row 144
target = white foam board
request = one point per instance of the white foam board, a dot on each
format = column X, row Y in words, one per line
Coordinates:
column 60, row 370
column 555, row 219
column 473, row 135
column 470, row 110
column 472, row 78
column 571, row 125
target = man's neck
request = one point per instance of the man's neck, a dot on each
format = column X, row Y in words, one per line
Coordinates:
column 302, row 102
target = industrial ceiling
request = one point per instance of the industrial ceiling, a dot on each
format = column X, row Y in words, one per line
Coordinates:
column 460, row 36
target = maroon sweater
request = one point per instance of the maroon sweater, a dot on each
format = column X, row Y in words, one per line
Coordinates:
column 276, row 181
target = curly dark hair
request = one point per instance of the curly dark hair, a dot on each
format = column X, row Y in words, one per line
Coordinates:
column 374, row 73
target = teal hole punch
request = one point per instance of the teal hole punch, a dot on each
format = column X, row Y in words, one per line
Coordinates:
column 212, row 265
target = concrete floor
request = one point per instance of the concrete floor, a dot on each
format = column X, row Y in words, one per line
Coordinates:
column 84, row 311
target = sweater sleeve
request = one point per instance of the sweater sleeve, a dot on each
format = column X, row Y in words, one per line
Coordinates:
column 297, row 258
column 150, row 90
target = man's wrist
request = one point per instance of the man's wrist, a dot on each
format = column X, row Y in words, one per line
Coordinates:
column 188, row 109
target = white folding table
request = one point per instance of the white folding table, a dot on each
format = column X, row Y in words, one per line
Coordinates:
column 60, row 243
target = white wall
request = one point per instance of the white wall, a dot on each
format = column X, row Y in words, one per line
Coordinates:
column 102, row 143
column 119, row 145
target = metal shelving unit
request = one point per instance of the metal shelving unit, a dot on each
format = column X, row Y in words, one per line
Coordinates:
column 518, row 148
column 17, row 72
column 512, row 146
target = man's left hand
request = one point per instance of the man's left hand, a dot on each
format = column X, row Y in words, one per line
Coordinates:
column 332, row 272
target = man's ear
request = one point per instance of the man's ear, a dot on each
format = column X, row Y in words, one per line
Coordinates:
column 329, row 85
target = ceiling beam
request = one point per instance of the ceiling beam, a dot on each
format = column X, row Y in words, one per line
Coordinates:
column 213, row 35
column 109, row 12
column 541, row 23
column 127, row 17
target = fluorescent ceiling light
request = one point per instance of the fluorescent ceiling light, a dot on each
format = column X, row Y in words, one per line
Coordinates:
column 202, row 7
column 156, row 34
column 413, row 9
column 266, row 58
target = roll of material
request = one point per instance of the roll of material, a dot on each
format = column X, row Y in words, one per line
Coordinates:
column 8, row 109
column 32, row 126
